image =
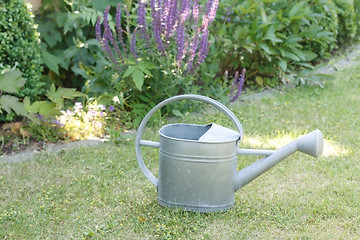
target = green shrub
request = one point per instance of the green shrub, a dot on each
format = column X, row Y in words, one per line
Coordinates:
column 357, row 11
column 271, row 39
column 69, row 49
column 329, row 23
column 19, row 43
column 347, row 21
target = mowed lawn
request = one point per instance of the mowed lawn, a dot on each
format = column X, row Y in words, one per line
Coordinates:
column 100, row 192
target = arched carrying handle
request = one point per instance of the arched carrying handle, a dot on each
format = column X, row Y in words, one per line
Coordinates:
column 139, row 142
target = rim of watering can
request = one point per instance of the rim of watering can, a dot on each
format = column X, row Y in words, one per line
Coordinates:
column 198, row 140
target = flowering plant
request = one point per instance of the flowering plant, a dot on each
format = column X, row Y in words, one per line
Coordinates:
column 163, row 48
column 84, row 122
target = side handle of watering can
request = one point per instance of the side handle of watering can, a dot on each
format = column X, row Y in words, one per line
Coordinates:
column 139, row 142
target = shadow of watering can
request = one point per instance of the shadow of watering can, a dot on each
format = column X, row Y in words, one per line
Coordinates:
column 197, row 163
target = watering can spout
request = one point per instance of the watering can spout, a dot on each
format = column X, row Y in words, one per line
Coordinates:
column 311, row 144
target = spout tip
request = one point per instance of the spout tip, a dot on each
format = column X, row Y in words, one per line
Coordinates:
column 311, row 143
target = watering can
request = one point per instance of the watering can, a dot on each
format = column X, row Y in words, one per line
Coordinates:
column 197, row 163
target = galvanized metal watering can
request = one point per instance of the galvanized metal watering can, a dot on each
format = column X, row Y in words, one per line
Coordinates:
column 197, row 163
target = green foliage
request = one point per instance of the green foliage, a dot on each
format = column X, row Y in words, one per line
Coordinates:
column 274, row 44
column 46, row 131
column 19, row 43
column 58, row 95
column 347, row 21
column 11, row 81
column 69, row 50
column 329, row 22
column 357, row 11
column 52, row 108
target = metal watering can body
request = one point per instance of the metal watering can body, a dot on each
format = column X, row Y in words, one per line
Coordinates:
column 197, row 163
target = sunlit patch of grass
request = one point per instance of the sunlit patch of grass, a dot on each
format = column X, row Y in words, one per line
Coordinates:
column 331, row 148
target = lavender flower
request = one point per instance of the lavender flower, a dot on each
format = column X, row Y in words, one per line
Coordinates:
column 195, row 40
column 237, row 85
column 171, row 20
column 212, row 12
column 142, row 22
column 173, row 15
column 111, row 108
column 109, row 36
column 155, row 11
column 119, row 30
column 180, row 31
column 104, row 42
column 133, row 44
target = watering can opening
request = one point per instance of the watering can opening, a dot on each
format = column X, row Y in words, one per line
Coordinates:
column 210, row 133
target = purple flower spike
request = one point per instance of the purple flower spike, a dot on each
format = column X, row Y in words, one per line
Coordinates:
column 237, row 85
column 142, row 22
column 109, row 36
column 155, row 11
column 119, row 30
column 133, row 44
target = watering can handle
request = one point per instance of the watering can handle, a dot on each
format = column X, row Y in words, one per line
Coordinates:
column 139, row 142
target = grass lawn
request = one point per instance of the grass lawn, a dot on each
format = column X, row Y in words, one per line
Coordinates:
column 100, row 193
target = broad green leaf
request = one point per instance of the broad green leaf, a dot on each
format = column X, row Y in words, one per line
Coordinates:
column 92, row 42
column 27, row 103
column 145, row 70
column 293, row 39
column 55, row 96
column 292, row 56
column 9, row 103
column 69, row 93
column 259, row 80
column 138, row 78
column 129, row 71
column 148, row 65
column 309, row 55
column 48, row 109
column 265, row 48
column 34, row 107
column 70, row 52
column 49, row 33
column 50, row 61
column 178, row 113
column 283, row 65
column 270, row 35
column 11, row 81
column 296, row 9
column 299, row 53
column 61, row 18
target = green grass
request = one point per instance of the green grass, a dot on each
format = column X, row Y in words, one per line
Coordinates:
column 100, row 193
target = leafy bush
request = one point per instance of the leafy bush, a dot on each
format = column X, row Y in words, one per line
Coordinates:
column 347, row 21
column 19, row 43
column 69, row 49
column 357, row 12
column 273, row 45
column 328, row 22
